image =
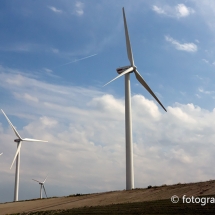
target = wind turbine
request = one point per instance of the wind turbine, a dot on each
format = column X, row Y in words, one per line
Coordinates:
column 42, row 187
column 17, row 155
column 126, row 70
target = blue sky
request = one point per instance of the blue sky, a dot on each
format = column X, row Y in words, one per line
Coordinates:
column 66, row 104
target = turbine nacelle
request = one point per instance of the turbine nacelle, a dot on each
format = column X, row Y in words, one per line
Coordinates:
column 17, row 140
column 122, row 69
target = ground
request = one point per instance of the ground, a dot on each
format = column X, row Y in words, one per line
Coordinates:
column 163, row 192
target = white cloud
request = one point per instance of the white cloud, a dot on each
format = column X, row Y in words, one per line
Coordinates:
column 198, row 96
column 181, row 156
column 178, row 11
column 206, row 61
column 188, row 47
column 54, row 9
column 183, row 93
column 183, row 11
column 108, row 104
column 30, row 98
column 206, row 10
column 86, row 134
column 47, row 70
column 181, row 115
column 79, row 8
column 21, row 47
column 46, row 122
column 201, row 90
column 158, row 9
column 17, row 81
column 56, row 51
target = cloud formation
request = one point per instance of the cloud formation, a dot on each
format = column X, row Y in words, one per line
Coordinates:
column 54, row 9
column 47, row 70
column 183, row 11
column 179, row 11
column 79, row 8
column 55, row 51
column 86, row 134
column 206, row 61
column 206, row 10
column 201, row 90
column 158, row 9
column 188, row 47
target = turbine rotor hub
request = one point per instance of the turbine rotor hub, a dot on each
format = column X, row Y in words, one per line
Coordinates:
column 17, row 140
column 122, row 69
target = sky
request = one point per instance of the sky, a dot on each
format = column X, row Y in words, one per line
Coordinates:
column 55, row 57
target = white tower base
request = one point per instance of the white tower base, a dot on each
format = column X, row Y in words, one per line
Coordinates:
column 128, row 135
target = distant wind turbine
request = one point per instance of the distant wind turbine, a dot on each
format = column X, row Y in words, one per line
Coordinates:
column 17, row 155
column 42, row 187
column 78, row 60
column 126, row 70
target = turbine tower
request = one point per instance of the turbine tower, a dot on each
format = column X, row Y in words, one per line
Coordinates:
column 126, row 70
column 42, row 187
column 17, row 155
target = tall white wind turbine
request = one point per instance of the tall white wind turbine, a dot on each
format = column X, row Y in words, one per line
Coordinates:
column 126, row 70
column 17, row 155
column 42, row 187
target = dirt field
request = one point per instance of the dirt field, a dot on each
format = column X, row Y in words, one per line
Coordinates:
column 108, row 198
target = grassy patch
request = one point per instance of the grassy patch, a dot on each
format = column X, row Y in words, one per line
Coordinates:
column 151, row 207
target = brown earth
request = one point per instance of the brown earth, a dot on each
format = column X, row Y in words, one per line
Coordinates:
column 113, row 197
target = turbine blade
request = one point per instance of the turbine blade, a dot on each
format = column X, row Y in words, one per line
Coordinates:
column 123, row 73
column 45, row 190
column 17, row 151
column 1, row 153
column 36, row 180
column 141, row 80
column 128, row 44
column 15, row 131
column 45, row 180
column 33, row 140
